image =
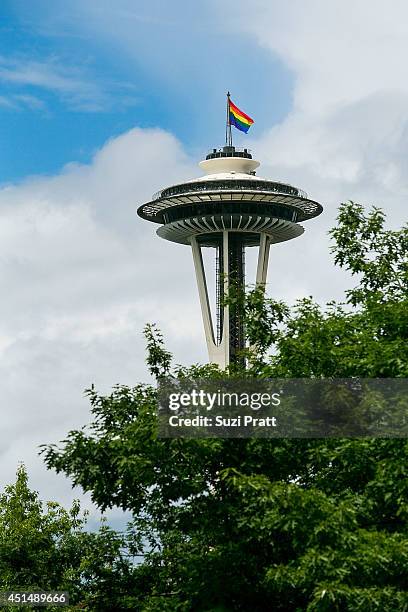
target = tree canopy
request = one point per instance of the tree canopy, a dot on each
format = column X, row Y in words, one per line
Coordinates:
column 257, row 524
column 45, row 547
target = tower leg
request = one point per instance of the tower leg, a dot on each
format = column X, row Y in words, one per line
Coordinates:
column 262, row 269
column 263, row 258
column 202, row 290
column 217, row 353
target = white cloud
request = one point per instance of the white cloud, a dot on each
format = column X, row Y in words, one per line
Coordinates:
column 17, row 102
column 6, row 102
column 346, row 135
column 29, row 101
column 80, row 275
column 72, row 84
column 339, row 51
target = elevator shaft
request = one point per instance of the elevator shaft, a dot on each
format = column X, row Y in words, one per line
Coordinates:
column 236, row 284
column 230, row 275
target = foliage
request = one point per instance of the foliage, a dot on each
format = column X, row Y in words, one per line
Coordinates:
column 380, row 256
column 367, row 336
column 48, row 548
column 252, row 524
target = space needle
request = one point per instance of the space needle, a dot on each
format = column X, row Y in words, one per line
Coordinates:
column 229, row 209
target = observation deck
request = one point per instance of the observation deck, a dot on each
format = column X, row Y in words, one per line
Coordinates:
column 229, row 197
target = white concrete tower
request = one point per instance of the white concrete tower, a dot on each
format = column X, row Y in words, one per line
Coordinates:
column 229, row 209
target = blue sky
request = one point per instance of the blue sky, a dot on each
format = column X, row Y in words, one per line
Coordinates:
column 68, row 85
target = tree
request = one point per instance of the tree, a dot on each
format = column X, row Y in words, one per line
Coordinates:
column 44, row 547
column 255, row 524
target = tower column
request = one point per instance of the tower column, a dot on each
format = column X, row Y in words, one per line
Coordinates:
column 203, row 292
column 263, row 259
column 218, row 351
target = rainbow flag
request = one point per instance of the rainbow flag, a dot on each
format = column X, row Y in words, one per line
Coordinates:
column 239, row 119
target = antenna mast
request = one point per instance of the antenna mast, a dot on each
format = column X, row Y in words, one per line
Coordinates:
column 228, row 130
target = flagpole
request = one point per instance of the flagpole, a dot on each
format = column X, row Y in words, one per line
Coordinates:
column 228, row 131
